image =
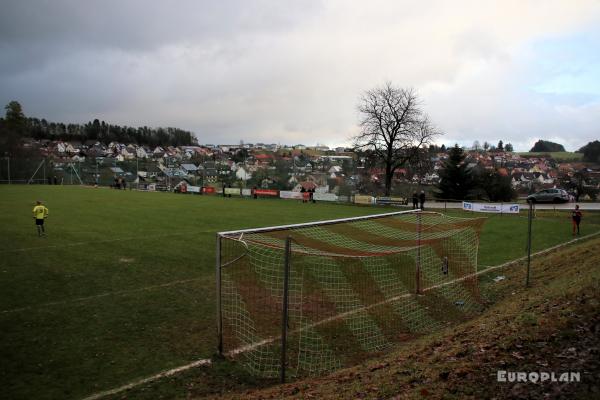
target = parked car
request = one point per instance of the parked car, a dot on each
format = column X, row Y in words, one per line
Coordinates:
column 549, row 196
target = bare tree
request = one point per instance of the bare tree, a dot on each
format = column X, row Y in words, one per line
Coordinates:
column 394, row 127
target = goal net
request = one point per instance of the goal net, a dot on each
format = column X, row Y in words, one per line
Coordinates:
column 354, row 287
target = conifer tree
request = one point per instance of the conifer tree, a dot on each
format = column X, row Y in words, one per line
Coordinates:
column 456, row 180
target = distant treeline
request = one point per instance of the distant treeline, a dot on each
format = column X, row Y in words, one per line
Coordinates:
column 105, row 133
column 16, row 126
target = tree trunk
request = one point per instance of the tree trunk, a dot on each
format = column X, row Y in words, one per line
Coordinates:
column 389, row 173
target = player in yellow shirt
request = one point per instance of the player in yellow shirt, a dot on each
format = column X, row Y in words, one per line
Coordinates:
column 40, row 213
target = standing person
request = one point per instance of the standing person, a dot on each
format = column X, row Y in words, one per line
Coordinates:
column 40, row 213
column 415, row 198
column 422, row 200
column 576, row 195
column 576, row 218
column 304, row 195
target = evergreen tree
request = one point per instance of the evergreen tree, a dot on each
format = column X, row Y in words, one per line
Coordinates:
column 591, row 151
column 12, row 128
column 494, row 186
column 500, row 146
column 456, row 180
column 544, row 145
column 509, row 147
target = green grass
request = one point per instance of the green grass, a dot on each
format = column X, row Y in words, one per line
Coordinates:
column 564, row 156
column 123, row 286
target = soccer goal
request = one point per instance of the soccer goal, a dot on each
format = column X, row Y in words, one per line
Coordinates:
column 309, row 298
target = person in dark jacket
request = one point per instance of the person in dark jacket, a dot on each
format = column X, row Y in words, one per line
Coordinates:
column 415, row 198
column 422, row 200
column 576, row 218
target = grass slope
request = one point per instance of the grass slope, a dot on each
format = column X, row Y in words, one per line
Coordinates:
column 553, row 326
column 123, row 286
column 561, row 156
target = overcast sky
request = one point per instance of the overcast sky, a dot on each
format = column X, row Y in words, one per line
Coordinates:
column 289, row 72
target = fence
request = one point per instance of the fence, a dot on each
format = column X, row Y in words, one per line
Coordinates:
column 89, row 172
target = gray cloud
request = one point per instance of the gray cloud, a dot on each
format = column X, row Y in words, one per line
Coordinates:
column 291, row 72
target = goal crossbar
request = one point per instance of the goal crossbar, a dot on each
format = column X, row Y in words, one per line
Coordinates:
column 315, row 223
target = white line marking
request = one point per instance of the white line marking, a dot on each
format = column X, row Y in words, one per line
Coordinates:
column 97, row 296
column 102, row 241
column 149, row 379
column 253, row 346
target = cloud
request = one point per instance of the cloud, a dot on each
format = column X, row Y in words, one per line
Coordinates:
column 291, row 72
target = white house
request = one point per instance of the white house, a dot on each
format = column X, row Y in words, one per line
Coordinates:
column 241, row 174
column 70, row 149
column 126, row 154
column 141, row 152
column 336, row 169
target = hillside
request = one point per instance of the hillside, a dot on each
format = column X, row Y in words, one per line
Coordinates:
column 553, row 326
column 559, row 156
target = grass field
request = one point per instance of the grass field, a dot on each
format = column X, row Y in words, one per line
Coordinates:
column 123, row 286
column 561, row 156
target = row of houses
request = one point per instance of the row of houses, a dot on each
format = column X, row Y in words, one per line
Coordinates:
column 214, row 163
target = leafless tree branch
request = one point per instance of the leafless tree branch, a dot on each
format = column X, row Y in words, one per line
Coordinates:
column 394, row 127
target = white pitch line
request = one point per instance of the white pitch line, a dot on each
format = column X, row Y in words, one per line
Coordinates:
column 100, row 241
column 97, row 296
column 149, row 379
column 253, row 346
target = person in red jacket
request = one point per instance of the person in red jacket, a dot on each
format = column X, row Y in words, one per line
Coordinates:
column 576, row 218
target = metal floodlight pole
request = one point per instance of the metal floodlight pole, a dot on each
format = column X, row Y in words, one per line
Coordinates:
column 219, row 307
column 529, row 218
column 284, row 311
column 418, row 260
column 8, row 165
column 35, row 173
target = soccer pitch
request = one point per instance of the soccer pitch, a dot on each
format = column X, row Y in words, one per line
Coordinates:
column 123, row 286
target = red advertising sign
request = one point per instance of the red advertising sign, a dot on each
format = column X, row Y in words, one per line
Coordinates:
column 266, row 192
column 208, row 189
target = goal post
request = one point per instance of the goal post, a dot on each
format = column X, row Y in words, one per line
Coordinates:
column 309, row 298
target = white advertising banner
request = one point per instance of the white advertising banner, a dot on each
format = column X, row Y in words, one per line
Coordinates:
column 286, row 194
column 491, row 207
column 194, row 189
column 247, row 192
column 394, row 201
column 233, row 191
column 325, row 197
column 362, row 199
